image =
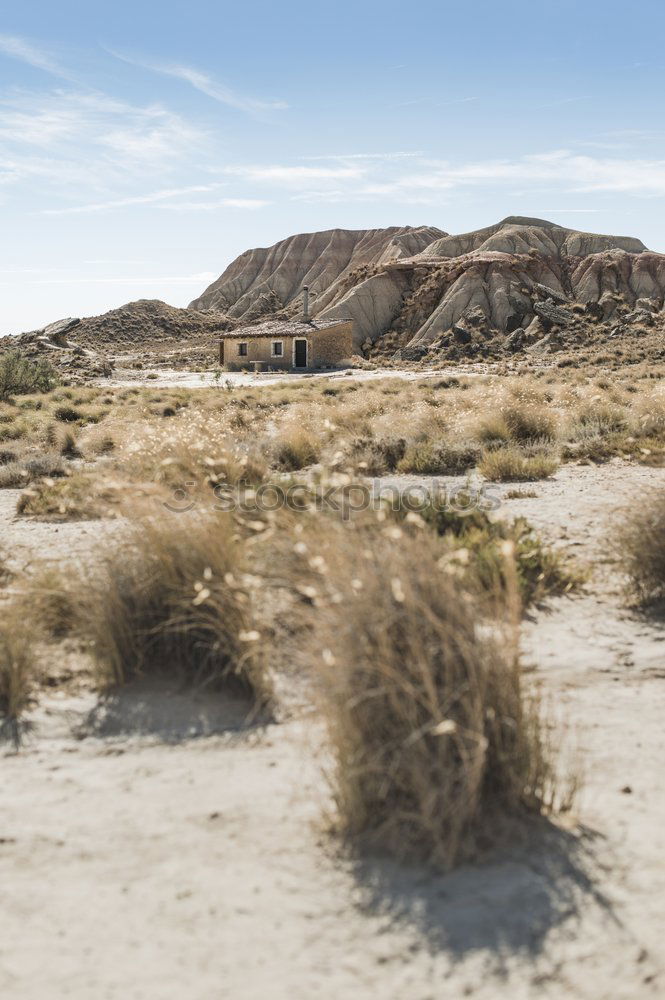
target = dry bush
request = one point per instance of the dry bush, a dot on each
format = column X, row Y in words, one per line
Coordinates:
column 511, row 464
column 439, row 458
column 79, row 497
column 17, row 667
column 437, row 745
column 171, row 599
column 296, row 449
column 20, row 473
column 639, row 546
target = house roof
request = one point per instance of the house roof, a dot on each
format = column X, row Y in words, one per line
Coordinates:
column 284, row 328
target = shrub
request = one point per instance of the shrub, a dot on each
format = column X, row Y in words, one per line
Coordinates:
column 67, row 414
column 427, row 458
column 170, row 600
column 437, row 747
column 296, row 450
column 20, row 375
column 511, row 464
column 527, row 424
column 17, row 474
column 376, row 457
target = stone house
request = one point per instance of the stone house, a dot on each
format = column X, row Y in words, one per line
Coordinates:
column 287, row 345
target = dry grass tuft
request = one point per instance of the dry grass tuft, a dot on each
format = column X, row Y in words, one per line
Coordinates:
column 437, row 746
column 172, row 599
column 639, row 544
column 17, row 668
column 296, row 449
column 511, row 464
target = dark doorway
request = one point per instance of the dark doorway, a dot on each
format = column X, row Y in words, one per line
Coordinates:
column 300, row 354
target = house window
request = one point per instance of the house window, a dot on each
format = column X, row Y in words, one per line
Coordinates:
column 277, row 348
column 242, row 349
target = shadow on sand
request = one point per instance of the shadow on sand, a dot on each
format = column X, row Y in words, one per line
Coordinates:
column 163, row 710
column 504, row 906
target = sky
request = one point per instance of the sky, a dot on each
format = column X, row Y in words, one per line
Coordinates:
column 144, row 145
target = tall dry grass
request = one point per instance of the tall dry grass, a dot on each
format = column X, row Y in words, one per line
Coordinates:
column 172, row 599
column 18, row 670
column 438, row 746
column 638, row 541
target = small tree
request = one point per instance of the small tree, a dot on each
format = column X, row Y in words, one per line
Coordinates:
column 20, row 375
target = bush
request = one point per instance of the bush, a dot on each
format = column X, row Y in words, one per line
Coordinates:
column 18, row 474
column 426, row 458
column 296, row 450
column 170, row 600
column 67, row 414
column 20, row 375
column 511, row 464
column 437, row 747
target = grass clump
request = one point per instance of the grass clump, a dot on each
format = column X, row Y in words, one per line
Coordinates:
column 171, row 599
column 17, row 668
column 437, row 746
column 429, row 458
column 20, row 375
column 639, row 546
column 17, row 474
column 511, row 464
column 296, row 450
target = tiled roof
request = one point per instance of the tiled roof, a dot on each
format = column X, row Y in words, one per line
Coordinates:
column 284, row 328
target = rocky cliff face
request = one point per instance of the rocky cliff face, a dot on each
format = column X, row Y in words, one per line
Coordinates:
column 420, row 291
column 265, row 281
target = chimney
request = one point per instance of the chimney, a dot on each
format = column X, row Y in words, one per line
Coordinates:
column 305, row 304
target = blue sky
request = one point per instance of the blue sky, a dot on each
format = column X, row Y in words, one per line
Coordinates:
column 144, row 145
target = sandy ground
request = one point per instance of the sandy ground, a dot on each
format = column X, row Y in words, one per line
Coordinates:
column 166, row 379
column 155, row 847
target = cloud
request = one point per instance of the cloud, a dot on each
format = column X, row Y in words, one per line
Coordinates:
column 365, row 156
column 205, row 84
column 19, row 48
column 429, row 181
column 276, row 174
column 152, row 198
column 251, row 204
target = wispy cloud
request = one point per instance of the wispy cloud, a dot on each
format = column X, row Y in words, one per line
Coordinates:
column 251, row 204
column 399, row 155
column 293, row 174
column 557, row 170
column 151, row 198
column 25, row 51
column 205, row 84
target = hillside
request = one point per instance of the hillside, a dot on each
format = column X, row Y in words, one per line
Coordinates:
column 267, row 280
column 520, row 283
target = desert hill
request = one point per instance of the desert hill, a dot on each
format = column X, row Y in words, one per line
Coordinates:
column 414, row 293
column 266, row 280
column 522, row 282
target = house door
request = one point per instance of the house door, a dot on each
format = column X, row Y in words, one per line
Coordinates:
column 300, row 354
